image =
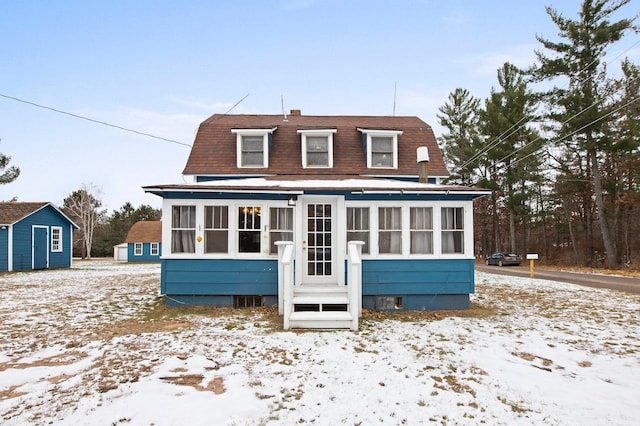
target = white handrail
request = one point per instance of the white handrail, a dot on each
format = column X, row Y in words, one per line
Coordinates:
column 355, row 281
column 285, row 280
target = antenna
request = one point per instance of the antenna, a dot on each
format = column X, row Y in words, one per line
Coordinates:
column 284, row 114
column 395, row 89
column 236, row 104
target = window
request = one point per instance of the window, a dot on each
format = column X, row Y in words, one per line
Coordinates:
column 137, row 249
column 389, row 230
column 421, row 225
column 155, row 249
column 183, row 229
column 249, row 229
column 280, row 226
column 216, row 229
column 253, row 147
column 358, row 226
column 381, row 147
column 452, row 229
column 56, row 239
column 317, row 148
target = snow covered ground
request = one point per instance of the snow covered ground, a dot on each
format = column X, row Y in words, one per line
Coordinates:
column 93, row 346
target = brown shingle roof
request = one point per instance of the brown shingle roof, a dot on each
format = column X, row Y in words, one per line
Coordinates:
column 12, row 212
column 145, row 232
column 214, row 149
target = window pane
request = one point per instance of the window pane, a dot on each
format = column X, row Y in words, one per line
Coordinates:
column 281, row 226
column 252, row 143
column 421, row 242
column 390, row 242
column 249, row 229
column 358, row 226
column 183, row 232
column 452, row 218
column 317, row 159
column 452, row 242
column 382, row 144
column 317, row 144
column 216, row 241
column 252, row 159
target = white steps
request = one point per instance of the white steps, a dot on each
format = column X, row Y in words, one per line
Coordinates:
column 320, row 307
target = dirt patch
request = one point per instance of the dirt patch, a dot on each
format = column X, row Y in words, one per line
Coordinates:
column 195, row 381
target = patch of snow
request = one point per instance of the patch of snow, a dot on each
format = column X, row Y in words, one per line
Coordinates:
column 552, row 353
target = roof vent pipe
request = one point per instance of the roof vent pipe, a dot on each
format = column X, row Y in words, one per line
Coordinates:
column 423, row 161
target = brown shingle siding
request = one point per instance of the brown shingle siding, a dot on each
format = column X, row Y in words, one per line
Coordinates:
column 214, row 149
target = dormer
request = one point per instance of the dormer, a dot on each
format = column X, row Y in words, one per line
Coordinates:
column 317, row 148
column 253, row 146
column 381, row 148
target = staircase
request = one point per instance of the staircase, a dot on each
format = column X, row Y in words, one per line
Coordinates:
column 323, row 307
column 326, row 306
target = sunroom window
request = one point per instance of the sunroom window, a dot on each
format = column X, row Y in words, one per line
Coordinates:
column 452, row 229
column 390, row 230
column 358, row 226
column 317, row 148
column 381, row 148
column 249, row 229
column 280, row 226
column 421, row 230
column 253, row 147
column 216, row 229
column 183, row 229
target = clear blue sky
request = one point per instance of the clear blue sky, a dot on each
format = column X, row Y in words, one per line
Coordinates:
column 162, row 67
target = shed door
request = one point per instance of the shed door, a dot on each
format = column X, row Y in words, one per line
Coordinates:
column 40, row 245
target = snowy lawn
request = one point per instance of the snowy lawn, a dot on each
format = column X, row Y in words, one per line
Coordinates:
column 95, row 345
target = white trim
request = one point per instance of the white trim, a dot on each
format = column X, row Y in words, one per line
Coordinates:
column 60, row 248
column 240, row 133
column 374, row 133
column 328, row 133
column 9, row 248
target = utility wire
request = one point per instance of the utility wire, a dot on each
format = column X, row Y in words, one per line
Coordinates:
column 502, row 137
column 104, row 123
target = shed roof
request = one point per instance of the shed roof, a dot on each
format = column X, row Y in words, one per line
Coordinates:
column 214, row 149
column 145, row 231
column 13, row 211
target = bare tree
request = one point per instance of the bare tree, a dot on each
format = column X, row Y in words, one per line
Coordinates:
column 82, row 206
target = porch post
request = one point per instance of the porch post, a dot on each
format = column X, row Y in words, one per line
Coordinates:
column 281, row 246
column 355, row 281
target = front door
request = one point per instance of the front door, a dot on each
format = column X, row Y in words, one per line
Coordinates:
column 319, row 255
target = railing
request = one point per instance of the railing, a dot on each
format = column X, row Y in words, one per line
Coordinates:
column 285, row 280
column 355, row 281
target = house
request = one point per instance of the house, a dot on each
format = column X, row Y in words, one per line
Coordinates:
column 34, row 236
column 144, row 242
column 322, row 215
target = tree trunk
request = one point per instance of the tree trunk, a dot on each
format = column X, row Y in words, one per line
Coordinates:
column 609, row 246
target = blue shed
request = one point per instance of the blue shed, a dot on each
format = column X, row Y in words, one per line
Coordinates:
column 144, row 241
column 34, row 236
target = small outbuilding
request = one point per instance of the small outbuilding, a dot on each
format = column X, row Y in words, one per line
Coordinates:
column 33, row 236
column 144, row 241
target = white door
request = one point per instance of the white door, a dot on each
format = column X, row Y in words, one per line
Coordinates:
column 319, row 257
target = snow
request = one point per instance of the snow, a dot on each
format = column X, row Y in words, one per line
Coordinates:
column 77, row 349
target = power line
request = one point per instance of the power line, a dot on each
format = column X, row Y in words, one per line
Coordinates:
column 93, row 120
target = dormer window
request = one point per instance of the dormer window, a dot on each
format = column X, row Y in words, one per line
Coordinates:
column 381, row 148
column 317, row 148
column 253, row 147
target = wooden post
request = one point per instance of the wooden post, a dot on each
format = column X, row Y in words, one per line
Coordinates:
column 532, row 257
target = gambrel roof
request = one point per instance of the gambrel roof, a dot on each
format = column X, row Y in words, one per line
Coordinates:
column 214, row 150
column 149, row 231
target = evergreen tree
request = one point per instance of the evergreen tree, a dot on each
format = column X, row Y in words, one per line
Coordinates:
column 580, row 109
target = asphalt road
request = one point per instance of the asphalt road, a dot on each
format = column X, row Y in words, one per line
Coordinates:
column 613, row 282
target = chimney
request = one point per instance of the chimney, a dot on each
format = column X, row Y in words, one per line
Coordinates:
column 296, row 112
column 423, row 162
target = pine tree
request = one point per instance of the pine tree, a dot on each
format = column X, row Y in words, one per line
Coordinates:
column 580, row 109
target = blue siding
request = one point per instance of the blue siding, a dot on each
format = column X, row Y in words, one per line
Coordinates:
column 224, row 277
column 432, row 284
column 423, row 284
column 4, row 249
column 22, row 239
column 146, row 253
